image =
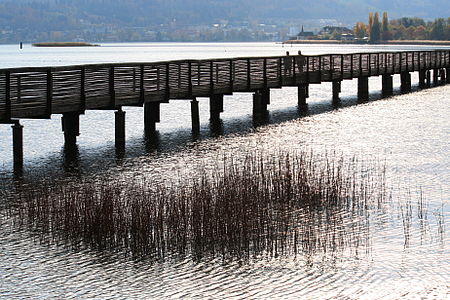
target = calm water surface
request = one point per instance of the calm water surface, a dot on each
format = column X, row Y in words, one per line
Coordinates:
column 409, row 133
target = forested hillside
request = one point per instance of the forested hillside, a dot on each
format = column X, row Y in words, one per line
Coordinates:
column 144, row 12
column 28, row 18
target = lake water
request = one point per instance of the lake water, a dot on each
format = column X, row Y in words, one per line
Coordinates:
column 409, row 133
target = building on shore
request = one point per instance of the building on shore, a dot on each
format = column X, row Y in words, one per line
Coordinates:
column 303, row 35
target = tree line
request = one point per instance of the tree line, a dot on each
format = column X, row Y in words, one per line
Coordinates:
column 406, row 28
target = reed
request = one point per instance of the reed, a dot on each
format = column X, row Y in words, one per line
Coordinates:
column 64, row 44
column 273, row 203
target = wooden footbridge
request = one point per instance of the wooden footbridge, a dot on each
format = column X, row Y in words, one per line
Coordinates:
column 39, row 92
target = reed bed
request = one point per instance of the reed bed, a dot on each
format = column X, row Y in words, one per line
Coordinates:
column 273, row 203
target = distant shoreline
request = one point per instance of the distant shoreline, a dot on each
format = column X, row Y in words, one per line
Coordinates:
column 64, row 44
column 396, row 42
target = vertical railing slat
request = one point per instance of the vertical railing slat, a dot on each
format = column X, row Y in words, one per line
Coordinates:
column 48, row 107
column 8, row 95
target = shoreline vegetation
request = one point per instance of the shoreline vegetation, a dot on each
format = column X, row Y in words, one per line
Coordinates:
column 386, row 43
column 262, row 204
column 64, row 44
column 403, row 31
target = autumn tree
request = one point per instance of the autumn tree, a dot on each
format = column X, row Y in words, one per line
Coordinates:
column 370, row 24
column 385, row 33
column 375, row 31
column 438, row 30
column 360, row 30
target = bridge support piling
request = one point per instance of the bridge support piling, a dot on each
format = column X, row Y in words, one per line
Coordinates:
column 119, row 128
column 387, row 85
column 436, row 77
column 71, row 127
column 303, row 94
column 215, row 106
column 266, row 96
column 422, row 77
column 151, row 116
column 405, row 79
column 17, row 135
column 336, row 90
column 259, row 104
column 428, row 79
column 363, row 88
column 447, row 70
column 195, row 116
column 442, row 76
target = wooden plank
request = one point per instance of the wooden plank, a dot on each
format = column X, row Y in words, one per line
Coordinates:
column 49, row 93
column 249, row 83
column 83, row 89
column 112, row 92
column 190, row 79
column 141, row 84
column 8, row 95
column 265, row 72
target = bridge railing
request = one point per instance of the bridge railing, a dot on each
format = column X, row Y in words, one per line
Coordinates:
column 38, row 92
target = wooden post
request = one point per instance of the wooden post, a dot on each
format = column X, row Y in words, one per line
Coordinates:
column 387, row 84
column 443, row 78
column 422, row 76
column 302, row 94
column 71, row 127
column 119, row 127
column 215, row 106
column 448, row 75
column 259, row 105
column 17, row 133
column 436, row 77
column 405, row 78
column 363, row 88
column 195, row 116
column 336, row 90
column 266, row 96
column 428, row 79
column 151, row 116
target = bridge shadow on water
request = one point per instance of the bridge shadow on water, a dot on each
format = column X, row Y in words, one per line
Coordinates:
column 76, row 161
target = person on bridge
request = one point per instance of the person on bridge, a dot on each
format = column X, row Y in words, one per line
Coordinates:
column 300, row 61
column 287, row 64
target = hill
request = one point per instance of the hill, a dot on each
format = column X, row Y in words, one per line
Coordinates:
column 28, row 18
